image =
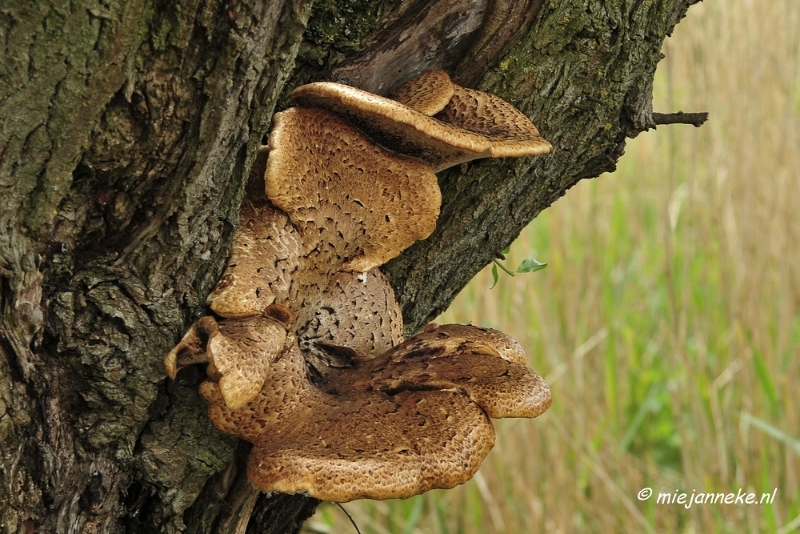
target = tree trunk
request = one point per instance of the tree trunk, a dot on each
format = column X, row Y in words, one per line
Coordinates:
column 126, row 131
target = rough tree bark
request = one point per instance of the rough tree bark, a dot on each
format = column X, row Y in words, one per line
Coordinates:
column 126, row 128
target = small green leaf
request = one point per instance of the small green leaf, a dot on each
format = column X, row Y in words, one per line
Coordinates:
column 494, row 275
column 506, row 250
column 530, row 265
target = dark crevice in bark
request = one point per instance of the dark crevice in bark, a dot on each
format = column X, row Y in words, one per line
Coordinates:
column 281, row 514
column 503, row 22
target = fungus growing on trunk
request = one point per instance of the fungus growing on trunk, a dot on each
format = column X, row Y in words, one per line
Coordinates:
column 305, row 352
column 428, row 93
column 471, row 125
column 361, row 203
column 412, row 419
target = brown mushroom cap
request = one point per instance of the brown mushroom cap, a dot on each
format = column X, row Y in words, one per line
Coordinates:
column 351, row 446
column 441, row 144
column 357, row 312
column 364, row 203
column 486, row 364
column 459, row 338
column 428, row 93
column 238, row 351
column 386, row 448
column 191, row 349
column 343, row 204
column 411, row 420
column 266, row 251
column 510, row 132
column 355, row 317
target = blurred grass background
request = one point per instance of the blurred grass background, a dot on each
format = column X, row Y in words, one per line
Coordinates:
column 667, row 322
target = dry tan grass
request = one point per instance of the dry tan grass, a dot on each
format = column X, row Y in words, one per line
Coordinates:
column 667, row 321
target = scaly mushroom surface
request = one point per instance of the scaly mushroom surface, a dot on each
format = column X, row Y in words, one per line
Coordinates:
column 305, row 352
column 472, row 124
column 427, row 93
column 413, row 419
column 365, row 203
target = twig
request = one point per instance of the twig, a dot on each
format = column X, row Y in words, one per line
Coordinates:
column 695, row 119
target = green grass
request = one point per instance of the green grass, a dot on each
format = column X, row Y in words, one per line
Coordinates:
column 667, row 321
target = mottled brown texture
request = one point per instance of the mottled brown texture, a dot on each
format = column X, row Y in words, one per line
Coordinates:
column 383, row 448
column 427, row 93
column 266, row 251
column 487, row 365
column 356, row 203
column 343, row 204
column 192, row 347
column 238, row 353
column 438, row 143
column 354, row 206
column 509, row 133
column 241, row 356
column 455, row 339
column 357, row 311
column 412, row 419
column 308, row 364
column 334, row 202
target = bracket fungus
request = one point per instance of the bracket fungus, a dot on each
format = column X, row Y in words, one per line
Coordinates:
column 471, row 125
column 304, row 349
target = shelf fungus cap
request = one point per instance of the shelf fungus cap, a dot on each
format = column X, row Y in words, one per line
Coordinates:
column 266, row 251
column 486, row 364
column 356, row 317
column 428, row 93
column 471, row 125
column 413, row 419
column 238, row 351
column 360, row 204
